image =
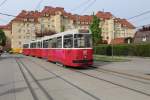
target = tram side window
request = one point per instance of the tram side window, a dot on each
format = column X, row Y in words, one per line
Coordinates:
column 59, row 42
column 88, row 40
column 50, row 41
column 54, row 42
column 68, row 41
column 26, row 46
column 33, row 45
column 39, row 45
column 45, row 44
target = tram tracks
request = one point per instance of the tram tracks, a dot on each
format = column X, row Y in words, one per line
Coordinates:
column 111, row 82
column 23, row 67
column 124, row 75
column 77, row 87
column 108, row 81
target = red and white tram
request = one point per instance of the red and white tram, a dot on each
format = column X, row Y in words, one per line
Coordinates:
column 71, row 48
column 26, row 49
column 38, row 49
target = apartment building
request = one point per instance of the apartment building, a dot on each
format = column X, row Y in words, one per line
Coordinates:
column 24, row 28
column 123, row 28
column 29, row 25
column 107, row 25
column 124, row 31
column 56, row 19
column 142, row 35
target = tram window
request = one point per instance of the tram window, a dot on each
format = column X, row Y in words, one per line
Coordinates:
column 59, row 42
column 54, row 42
column 26, row 46
column 39, row 45
column 88, row 40
column 82, row 41
column 50, row 43
column 68, row 41
column 33, row 45
column 45, row 44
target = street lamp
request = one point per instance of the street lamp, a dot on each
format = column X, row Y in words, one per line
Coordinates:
column 113, row 39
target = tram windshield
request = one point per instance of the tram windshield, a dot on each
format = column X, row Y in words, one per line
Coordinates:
column 82, row 41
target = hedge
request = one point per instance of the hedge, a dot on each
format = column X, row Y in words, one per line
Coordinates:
column 124, row 50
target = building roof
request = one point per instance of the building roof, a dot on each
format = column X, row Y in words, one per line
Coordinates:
column 104, row 15
column 51, row 10
column 48, row 11
column 6, row 27
column 140, row 34
column 124, row 23
column 86, row 18
column 27, row 15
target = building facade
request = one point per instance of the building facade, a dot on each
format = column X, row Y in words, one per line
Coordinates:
column 24, row 28
column 123, row 28
column 29, row 25
column 142, row 35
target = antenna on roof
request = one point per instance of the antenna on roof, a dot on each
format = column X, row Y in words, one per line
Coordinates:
column 103, row 10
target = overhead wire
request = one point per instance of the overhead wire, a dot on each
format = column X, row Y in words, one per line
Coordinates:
column 10, row 15
column 39, row 4
column 5, row 14
column 80, row 5
column 3, row 2
column 141, row 14
column 89, row 5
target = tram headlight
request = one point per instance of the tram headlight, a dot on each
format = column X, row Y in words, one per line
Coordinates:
column 85, row 54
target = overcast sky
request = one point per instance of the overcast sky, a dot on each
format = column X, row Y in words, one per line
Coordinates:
column 119, row 8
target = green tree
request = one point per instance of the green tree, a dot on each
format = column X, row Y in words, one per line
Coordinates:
column 62, row 28
column 2, row 38
column 96, row 30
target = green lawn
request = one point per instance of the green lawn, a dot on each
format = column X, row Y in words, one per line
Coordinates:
column 110, row 58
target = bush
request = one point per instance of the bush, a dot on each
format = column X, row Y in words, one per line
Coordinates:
column 124, row 50
column 100, row 50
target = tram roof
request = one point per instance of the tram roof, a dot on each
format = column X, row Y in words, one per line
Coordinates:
column 58, row 34
column 64, row 33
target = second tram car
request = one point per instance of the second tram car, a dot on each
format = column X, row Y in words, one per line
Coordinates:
column 71, row 48
column 38, row 49
column 26, row 49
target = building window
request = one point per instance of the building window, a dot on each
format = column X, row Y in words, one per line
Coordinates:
column 27, row 37
column 19, row 31
column 19, row 43
column 25, row 19
column 32, row 20
column 19, row 37
column 144, row 39
column 27, row 25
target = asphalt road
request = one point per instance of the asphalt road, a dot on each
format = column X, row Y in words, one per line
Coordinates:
column 28, row 78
